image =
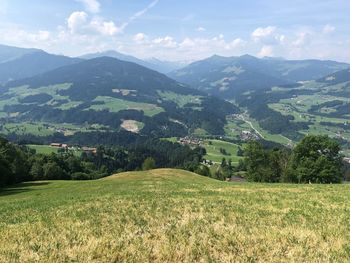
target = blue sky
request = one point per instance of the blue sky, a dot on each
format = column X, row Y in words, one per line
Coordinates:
column 181, row 29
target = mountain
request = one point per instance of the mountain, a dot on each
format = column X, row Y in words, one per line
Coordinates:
column 166, row 66
column 109, row 91
column 301, row 70
column 225, row 76
column 342, row 76
column 117, row 55
column 153, row 63
column 8, row 53
column 31, row 64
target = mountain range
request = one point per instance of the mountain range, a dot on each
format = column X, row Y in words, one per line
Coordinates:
column 108, row 91
column 152, row 63
column 113, row 89
column 227, row 76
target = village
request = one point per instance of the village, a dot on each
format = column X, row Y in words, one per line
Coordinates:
column 66, row 147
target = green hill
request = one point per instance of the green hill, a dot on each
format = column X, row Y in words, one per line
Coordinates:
column 229, row 76
column 108, row 91
column 18, row 63
column 8, row 53
column 173, row 216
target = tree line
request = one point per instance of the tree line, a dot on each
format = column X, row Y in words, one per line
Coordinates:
column 316, row 159
column 19, row 163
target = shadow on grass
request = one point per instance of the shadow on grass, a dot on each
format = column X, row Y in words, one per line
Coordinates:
column 20, row 188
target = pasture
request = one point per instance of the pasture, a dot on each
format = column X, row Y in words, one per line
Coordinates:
column 173, row 216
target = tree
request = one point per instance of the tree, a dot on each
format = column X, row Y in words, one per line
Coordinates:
column 265, row 165
column 316, row 159
column 148, row 164
column 53, row 172
column 240, row 152
column 255, row 161
column 203, row 170
column 37, row 171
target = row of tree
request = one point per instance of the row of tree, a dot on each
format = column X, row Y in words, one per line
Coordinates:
column 316, row 159
column 18, row 163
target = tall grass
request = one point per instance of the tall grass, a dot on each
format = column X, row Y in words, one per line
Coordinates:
column 173, row 216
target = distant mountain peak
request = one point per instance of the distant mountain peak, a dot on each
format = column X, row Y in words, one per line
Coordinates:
column 154, row 63
column 273, row 58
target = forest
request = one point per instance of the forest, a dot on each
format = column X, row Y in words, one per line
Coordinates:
column 19, row 163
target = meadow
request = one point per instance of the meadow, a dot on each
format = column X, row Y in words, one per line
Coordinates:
column 213, row 151
column 116, row 105
column 173, row 216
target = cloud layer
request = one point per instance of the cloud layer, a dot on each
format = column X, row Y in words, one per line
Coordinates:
column 87, row 30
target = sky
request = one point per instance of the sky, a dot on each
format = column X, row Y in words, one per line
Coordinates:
column 181, row 30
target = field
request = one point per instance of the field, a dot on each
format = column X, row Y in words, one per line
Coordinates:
column 47, row 129
column 47, row 149
column 43, row 149
column 213, row 151
column 181, row 100
column 115, row 105
column 173, row 216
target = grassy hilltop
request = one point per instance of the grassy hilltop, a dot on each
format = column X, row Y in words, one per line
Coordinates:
column 173, row 216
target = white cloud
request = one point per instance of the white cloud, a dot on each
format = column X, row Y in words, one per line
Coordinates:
column 201, row 29
column 268, row 36
column 263, row 32
column 328, row 29
column 92, row 6
column 266, row 51
column 187, row 42
column 140, row 37
column 79, row 23
column 203, row 47
column 107, row 28
column 302, row 39
column 167, row 42
column 237, row 43
column 43, row 35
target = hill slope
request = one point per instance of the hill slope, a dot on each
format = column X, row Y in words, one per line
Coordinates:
column 314, row 107
column 8, row 53
column 172, row 216
column 227, row 76
column 336, row 78
column 109, row 91
column 31, row 64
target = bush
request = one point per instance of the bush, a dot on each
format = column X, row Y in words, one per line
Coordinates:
column 80, row 176
column 148, row 164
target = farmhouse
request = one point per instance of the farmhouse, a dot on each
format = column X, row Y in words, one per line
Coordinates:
column 190, row 141
column 59, row 145
column 89, row 150
column 56, row 145
column 346, row 159
column 248, row 135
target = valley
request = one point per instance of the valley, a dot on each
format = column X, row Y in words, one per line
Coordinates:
column 174, row 131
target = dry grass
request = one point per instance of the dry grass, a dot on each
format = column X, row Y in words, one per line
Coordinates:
column 173, row 216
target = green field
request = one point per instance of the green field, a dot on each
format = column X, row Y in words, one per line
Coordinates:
column 47, row 129
column 180, row 100
column 214, row 154
column 115, row 105
column 37, row 129
column 173, row 216
column 47, row 149
column 43, row 149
